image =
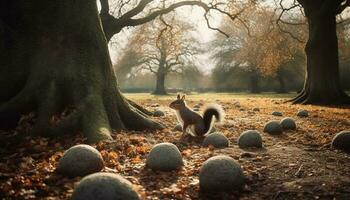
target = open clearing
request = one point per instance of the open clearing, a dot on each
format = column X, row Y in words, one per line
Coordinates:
column 297, row 165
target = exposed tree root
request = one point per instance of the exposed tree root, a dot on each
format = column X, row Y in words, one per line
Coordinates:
column 304, row 97
column 140, row 108
column 65, row 63
column 94, row 115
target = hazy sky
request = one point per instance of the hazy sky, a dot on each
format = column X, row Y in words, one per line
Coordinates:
column 203, row 33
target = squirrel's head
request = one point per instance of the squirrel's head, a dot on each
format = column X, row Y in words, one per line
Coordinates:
column 178, row 103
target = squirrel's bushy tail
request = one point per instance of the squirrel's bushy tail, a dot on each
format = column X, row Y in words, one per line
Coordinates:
column 212, row 110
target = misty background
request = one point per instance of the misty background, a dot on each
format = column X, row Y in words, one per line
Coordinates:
column 209, row 73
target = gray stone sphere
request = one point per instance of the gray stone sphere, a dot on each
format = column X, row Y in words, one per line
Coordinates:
column 273, row 127
column 218, row 140
column 250, row 138
column 158, row 113
column 342, row 141
column 178, row 127
column 164, row 157
column 288, row 124
column 80, row 160
column 221, row 173
column 276, row 113
column 303, row 113
column 104, row 186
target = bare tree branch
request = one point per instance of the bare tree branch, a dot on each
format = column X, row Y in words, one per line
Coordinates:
column 114, row 26
column 245, row 25
column 343, row 6
column 135, row 11
column 212, row 28
column 280, row 20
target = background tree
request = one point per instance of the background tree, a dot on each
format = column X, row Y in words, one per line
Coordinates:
column 192, row 78
column 322, row 82
column 126, row 63
column 256, row 45
column 164, row 49
column 188, row 80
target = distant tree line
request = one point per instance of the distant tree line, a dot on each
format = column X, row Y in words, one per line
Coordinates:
column 260, row 55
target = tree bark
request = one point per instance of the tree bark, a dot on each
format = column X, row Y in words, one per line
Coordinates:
column 322, row 83
column 58, row 56
column 160, row 83
column 162, row 71
column 254, row 83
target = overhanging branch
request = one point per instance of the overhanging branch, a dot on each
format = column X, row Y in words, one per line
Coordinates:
column 115, row 25
column 343, row 6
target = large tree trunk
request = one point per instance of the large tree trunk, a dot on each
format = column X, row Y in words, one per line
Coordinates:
column 160, row 76
column 160, row 84
column 322, row 84
column 54, row 57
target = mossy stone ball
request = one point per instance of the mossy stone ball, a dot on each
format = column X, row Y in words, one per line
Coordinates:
column 303, row 113
column 273, row 127
column 106, row 186
column 221, row 174
column 218, row 140
column 164, row 157
column 288, row 124
column 80, row 160
column 250, row 138
column 158, row 113
column 341, row 141
column 276, row 113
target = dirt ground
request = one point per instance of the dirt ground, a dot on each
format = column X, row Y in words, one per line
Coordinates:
column 296, row 165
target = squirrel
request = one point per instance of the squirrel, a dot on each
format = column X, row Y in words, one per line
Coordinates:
column 199, row 126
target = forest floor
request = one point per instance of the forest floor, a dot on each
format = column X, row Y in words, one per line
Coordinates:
column 296, row 165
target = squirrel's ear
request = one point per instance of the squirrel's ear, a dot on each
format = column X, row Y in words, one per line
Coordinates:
column 178, row 96
column 183, row 97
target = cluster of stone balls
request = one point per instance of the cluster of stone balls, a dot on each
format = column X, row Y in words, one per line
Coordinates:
column 340, row 141
column 218, row 173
